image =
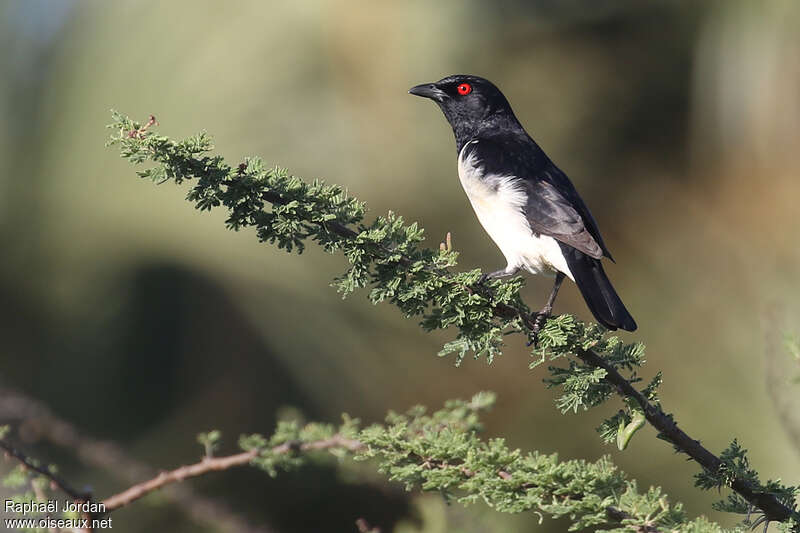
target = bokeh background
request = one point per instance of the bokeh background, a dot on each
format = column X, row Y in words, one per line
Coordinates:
column 140, row 322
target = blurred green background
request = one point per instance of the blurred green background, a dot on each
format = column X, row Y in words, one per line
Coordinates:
column 144, row 322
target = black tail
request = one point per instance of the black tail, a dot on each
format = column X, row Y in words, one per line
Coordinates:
column 600, row 296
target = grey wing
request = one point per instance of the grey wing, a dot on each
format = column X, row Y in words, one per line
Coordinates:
column 549, row 213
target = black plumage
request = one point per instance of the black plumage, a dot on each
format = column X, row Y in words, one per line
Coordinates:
column 505, row 172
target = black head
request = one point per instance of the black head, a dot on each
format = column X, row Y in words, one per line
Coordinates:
column 470, row 103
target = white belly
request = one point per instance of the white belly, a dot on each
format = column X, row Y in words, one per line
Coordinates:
column 499, row 203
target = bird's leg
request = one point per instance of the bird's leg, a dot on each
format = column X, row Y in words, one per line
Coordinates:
column 548, row 307
column 538, row 321
column 508, row 271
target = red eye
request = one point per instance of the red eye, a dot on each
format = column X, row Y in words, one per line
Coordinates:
column 464, row 89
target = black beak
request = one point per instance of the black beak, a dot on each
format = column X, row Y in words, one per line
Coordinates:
column 428, row 90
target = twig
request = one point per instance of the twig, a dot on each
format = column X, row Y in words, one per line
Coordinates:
column 617, row 515
column 55, row 480
column 41, row 497
column 64, row 434
column 215, row 464
column 38, row 421
column 613, row 513
column 140, row 132
column 773, row 508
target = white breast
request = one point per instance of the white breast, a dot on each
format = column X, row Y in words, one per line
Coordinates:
column 499, row 203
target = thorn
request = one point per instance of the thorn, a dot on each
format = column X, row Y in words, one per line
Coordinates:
column 447, row 245
column 139, row 133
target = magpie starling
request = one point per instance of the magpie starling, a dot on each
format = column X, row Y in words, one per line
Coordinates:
column 525, row 203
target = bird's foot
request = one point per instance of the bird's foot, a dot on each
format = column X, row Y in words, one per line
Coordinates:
column 491, row 275
column 533, row 338
column 536, row 326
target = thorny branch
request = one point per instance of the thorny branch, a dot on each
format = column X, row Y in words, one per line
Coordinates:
column 773, row 508
column 668, row 429
column 38, row 421
column 215, row 464
column 769, row 504
column 55, row 480
column 210, row 464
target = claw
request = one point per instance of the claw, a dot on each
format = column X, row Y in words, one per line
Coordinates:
column 497, row 274
column 538, row 322
column 532, row 339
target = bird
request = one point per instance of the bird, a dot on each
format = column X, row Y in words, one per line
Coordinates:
column 526, row 204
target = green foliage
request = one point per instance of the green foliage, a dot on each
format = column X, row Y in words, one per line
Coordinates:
column 209, row 441
column 26, row 487
column 442, row 452
column 386, row 256
column 736, row 466
column 625, row 431
column 582, row 385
